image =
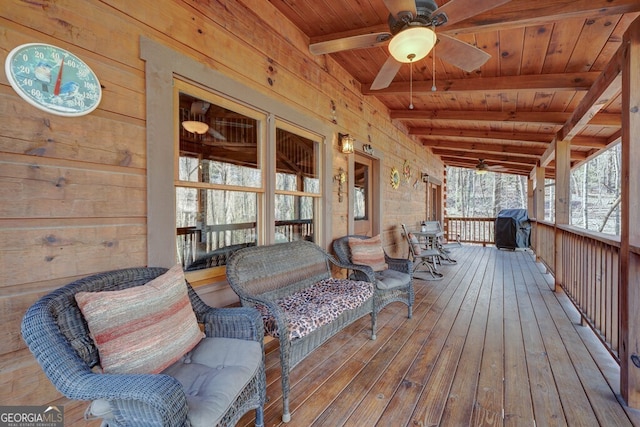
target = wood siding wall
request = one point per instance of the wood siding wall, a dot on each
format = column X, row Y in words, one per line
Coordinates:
column 73, row 190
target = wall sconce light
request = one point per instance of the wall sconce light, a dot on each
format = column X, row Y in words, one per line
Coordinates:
column 341, row 178
column 346, row 143
column 367, row 148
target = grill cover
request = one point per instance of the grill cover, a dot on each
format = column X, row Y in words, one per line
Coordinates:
column 513, row 229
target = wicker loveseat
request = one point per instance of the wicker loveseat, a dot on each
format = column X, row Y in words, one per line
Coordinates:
column 58, row 335
column 302, row 305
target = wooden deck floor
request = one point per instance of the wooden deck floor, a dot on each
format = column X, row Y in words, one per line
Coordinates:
column 491, row 344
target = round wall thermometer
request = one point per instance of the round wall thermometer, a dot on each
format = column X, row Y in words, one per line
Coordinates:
column 53, row 79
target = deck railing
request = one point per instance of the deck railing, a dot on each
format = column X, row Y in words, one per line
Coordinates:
column 213, row 243
column 470, row 230
column 589, row 275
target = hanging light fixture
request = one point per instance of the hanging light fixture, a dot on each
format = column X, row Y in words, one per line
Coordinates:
column 481, row 167
column 198, row 110
column 346, row 143
column 195, row 126
column 412, row 44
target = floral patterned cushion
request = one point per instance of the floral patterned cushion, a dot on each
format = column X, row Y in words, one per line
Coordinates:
column 318, row 305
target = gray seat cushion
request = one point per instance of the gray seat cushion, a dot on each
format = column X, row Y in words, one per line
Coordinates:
column 390, row 279
column 213, row 374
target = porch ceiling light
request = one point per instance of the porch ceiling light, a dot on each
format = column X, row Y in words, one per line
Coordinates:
column 195, row 126
column 412, row 44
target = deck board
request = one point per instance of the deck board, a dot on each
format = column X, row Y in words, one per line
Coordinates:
column 489, row 345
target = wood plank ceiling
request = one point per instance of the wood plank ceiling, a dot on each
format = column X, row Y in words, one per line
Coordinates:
column 545, row 57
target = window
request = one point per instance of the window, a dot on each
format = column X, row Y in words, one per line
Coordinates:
column 297, row 192
column 221, row 191
column 169, row 72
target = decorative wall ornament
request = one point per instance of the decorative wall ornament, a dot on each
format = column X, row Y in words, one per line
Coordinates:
column 341, row 178
column 406, row 171
column 395, row 178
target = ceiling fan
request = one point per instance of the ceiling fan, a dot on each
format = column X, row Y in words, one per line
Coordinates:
column 412, row 35
column 482, row 167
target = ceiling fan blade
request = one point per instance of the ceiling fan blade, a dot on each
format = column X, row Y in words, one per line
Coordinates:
column 386, row 74
column 496, row 168
column 348, row 43
column 397, row 6
column 214, row 133
column 459, row 10
column 461, row 54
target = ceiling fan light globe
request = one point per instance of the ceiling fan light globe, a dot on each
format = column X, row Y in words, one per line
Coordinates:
column 412, row 44
column 194, row 126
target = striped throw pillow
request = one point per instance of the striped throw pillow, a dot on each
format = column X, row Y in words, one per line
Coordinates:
column 368, row 252
column 142, row 329
column 417, row 249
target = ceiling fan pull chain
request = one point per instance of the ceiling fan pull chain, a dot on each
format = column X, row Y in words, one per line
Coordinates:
column 411, row 85
column 433, row 68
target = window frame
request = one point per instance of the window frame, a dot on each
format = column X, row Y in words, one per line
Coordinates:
column 163, row 66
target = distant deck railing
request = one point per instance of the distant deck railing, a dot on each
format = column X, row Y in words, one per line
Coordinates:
column 470, row 230
column 588, row 275
column 210, row 245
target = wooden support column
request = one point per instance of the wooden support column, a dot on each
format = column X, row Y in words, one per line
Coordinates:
column 531, row 207
column 539, row 204
column 630, row 230
column 563, row 171
column 539, row 195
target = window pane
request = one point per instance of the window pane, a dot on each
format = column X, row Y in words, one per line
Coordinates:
column 294, row 218
column 296, row 163
column 211, row 224
column 226, row 145
column 361, row 182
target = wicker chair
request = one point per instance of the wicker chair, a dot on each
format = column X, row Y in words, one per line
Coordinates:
column 57, row 334
column 388, row 289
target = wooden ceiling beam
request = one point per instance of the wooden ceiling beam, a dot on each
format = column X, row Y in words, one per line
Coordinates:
column 516, row 158
column 515, row 14
column 435, row 133
column 525, row 13
column 590, row 142
column 607, row 86
column 434, row 137
column 534, row 152
column 609, row 83
column 517, row 169
column 548, row 118
column 493, row 158
column 504, row 84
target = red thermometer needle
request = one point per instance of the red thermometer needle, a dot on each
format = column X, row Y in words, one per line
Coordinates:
column 56, row 89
